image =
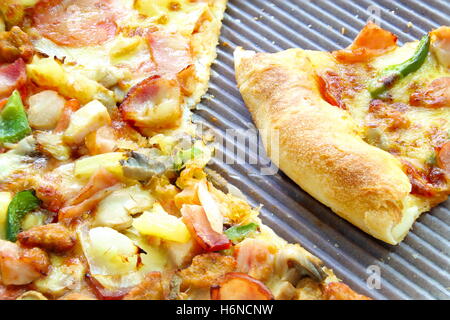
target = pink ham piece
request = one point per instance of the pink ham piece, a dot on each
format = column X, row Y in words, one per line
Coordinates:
column 435, row 95
column 19, row 266
column 12, row 76
column 153, row 103
column 254, row 258
column 171, row 53
column 239, row 286
column 444, row 158
column 77, row 23
column 195, row 218
column 100, row 184
column 371, row 42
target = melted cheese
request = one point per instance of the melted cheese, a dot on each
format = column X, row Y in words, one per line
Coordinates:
column 413, row 141
column 177, row 16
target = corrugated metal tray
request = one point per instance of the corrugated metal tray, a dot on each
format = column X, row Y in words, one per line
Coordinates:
column 416, row 269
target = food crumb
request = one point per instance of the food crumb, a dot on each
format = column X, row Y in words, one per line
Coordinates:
column 409, row 24
column 343, row 30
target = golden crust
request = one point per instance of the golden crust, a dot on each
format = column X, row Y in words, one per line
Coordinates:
column 204, row 45
column 320, row 147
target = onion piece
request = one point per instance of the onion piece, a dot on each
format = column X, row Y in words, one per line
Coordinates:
column 112, row 258
column 210, row 206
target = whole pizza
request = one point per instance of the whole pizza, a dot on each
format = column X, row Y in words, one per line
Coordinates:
column 103, row 188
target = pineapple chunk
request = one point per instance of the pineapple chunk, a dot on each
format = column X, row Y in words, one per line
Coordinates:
column 89, row 118
column 160, row 224
column 124, row 46
column 116, row 209
column 5, row 199
column 85, row 167
column 33, row 219
column 154, row 257
column 52, row 144
column 153, row 8
column 2, row 24
column 28, row 3
column 50, row 73
column 111, row 253
column 181, row 254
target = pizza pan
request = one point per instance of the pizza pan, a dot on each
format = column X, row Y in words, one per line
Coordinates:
column 419, row 267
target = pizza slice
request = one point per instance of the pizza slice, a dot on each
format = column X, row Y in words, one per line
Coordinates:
column 93, row 49
column 364, row 130
column 103, row 186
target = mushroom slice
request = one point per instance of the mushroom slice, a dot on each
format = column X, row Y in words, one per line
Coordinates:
column 142, row 167
column 294, row 256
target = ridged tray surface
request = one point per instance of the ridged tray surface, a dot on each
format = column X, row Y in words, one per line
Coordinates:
column 419, row 268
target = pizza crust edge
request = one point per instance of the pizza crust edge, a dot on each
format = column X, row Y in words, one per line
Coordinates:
column 319, row 146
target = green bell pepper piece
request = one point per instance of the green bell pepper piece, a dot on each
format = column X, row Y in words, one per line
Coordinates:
column 22, row 203
column 184, row 156
column 237, row 233
column 13, row 120
column 392, row 74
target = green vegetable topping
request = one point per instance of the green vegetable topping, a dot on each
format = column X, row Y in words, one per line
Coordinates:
column 392, row 74
column 13, row 120
column 183, row 156
column 237, row 233
column 431, row 160
column 22, row 203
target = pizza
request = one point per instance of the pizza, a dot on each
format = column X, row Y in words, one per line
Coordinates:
column 104, row 190
column 364, row 130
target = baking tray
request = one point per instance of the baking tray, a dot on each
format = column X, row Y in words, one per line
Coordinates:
column 419, row 267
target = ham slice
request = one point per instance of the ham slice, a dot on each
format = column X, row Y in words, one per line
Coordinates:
column 171, row 53
column 197, row 222
column 99, row 186
column 436, row 95
column 12, row 76
column 371, row 42
column 444, row 158
column 153, row 103
column 76, row 23
column 239, row 286
column 19, row 266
